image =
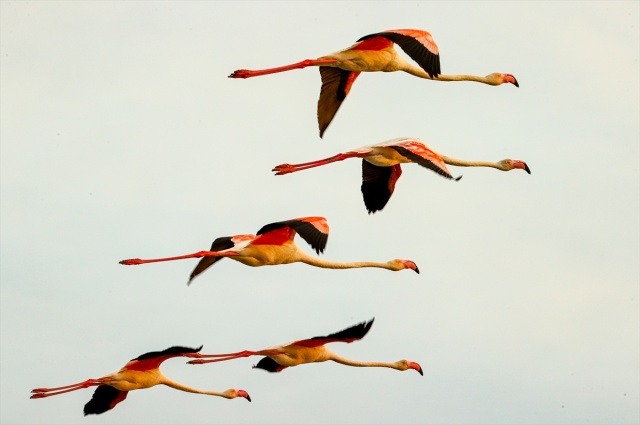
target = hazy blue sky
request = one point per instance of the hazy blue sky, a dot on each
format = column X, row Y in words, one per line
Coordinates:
column 121, row 137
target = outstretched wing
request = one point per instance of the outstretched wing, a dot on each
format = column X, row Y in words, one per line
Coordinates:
column 314, row 230
column 418, row 44
column 105, row 397
column 219, row 244
column 420, row 154
column 378, row 184
column 336, row 84
column 351, row 334
column 153, row 359
column 270, row 365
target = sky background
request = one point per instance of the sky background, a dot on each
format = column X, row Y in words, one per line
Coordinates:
column 122, row 137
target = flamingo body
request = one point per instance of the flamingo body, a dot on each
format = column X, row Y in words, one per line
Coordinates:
column 374, row 53
column 311, row 350
column 381, row 166
column 139, row 373
column 274, row 245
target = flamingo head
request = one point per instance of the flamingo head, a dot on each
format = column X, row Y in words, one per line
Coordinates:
column 403, row 264
column 511, row 164
column 497, row 79
column 237, row 393
column 406, row 365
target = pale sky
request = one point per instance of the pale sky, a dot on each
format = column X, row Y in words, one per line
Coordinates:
column 122, row 137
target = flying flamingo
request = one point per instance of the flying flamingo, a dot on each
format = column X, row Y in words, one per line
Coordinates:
column 381, row 166
column 373, row 53
column 274, row 245
column 308, row 351
column 141, row 372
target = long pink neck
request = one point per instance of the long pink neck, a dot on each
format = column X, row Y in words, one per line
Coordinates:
column 463, row 163
column 178, row 386
column 357, row 363
column 318, row 262
column 419, row 72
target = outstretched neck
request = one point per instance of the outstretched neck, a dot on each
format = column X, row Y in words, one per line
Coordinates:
column 419, row 72
column 356, row 363
column 476, row 78
column 463, row 163
column 319, row 262
column 178, row 386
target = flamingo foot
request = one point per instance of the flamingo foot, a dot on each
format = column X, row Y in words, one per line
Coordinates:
column 38, row 395
column 131, row 262
column 242, row 73
column 283, row 169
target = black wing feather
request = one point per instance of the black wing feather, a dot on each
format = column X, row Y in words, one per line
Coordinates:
column 427, row 60
column 306, row 230
column 219, row 244
column 332, row 93
column 176, row 350
column 270, row 365
column 421, row 161
column 353, row 333
column 375, row 185
column 103, row 399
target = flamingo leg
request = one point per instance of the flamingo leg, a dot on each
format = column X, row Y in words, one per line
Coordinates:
column 246, row 73
column 292, row 168
column 48, row 392
column 244, row 353
column 230, row 356
column 136, row 261
column 222, row 359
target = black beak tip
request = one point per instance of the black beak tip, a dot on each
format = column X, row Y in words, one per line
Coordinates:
column 417, row 270
column 515, row 83
column 420, row 372
column 249, row 398
column 526, row 168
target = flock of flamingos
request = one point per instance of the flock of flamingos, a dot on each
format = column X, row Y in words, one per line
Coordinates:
column 274, row 243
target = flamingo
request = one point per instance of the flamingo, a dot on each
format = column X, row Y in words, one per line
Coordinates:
column 311, row 350
column 373, row 53
column 141, row 372
column 274, row 245
column 381, row 166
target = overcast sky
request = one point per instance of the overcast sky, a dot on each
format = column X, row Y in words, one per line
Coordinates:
column 122, row 137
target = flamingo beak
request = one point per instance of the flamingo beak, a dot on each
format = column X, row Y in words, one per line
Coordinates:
column 508, row 78
column 408, row 264
column 413, row 266
column 521, row 165
column 416, row 366
column 243, row 393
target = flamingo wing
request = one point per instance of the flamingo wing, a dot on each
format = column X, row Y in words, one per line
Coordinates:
column 378, row 184
column 314, row 230
column 419, row 45
column 153, row 359
column 348, row 335
column 220, row 244
column 105, row 397
column 270, row 365
column 336, row 84
column 421, row 155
